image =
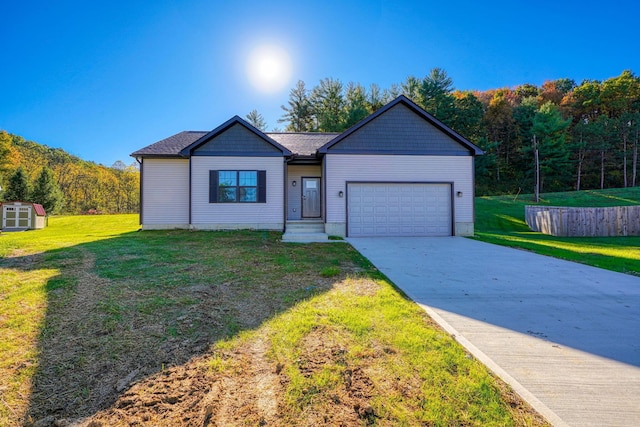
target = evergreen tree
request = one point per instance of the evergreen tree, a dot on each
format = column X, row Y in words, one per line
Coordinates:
column 435, row 94
column 47, row 192
column 298, row 114
column 257, row 120
column 550, row 130
column 356, row 107
column 328, row 104
column 18, row 189
column 410, row 88
column 376, row 98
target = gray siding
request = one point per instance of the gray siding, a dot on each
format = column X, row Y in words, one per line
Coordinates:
column 165, row 186
column 294, row 194
column 237, row 140
column 400, row 130
column 214, row 216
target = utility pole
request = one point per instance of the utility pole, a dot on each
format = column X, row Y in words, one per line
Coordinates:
column 537, row 160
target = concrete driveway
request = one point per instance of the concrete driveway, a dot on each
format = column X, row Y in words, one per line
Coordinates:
column 565, row 336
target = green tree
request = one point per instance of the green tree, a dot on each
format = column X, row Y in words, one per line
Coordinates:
column 526, row 90
column 550, row 130
column 328, row 105
column 621, row 102
column 18, row 187
column 376, row 98
column 47, row 192
column 356, row 105
column 257, row 120
column 298, row 114
column 466, row 118
column 435, row 94
column 409, row 88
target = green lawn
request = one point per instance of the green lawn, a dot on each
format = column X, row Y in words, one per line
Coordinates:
column 90, row 305
column 500, row 220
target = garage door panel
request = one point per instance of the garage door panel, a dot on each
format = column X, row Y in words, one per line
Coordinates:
column 399, row 209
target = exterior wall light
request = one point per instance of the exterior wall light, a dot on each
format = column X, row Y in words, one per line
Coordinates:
column 294, row 183
column 340, row 193
column 459, row 194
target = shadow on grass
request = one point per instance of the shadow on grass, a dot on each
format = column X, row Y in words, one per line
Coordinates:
column 128, row 307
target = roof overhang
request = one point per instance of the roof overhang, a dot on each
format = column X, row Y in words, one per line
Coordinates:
column 304, row 160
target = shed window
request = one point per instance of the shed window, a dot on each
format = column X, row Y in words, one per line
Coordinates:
column 237, row 186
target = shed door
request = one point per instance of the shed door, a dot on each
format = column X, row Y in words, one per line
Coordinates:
column 16, row 216
column 399, row 209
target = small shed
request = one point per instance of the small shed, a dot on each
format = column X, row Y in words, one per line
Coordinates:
column 22, row 216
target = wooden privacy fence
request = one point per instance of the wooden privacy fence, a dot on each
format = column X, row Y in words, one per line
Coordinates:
column 584, row 222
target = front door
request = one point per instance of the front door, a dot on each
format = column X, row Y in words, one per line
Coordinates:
column 311, row 198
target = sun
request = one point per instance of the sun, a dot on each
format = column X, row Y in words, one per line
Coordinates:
column 269, row 68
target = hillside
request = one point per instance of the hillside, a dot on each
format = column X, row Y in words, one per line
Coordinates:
column 87, row 186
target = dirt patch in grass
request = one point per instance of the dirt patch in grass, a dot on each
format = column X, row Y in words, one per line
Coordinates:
column 178, row 328
column 246, row 386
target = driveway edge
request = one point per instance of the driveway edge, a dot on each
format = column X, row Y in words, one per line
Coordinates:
column 543, row 409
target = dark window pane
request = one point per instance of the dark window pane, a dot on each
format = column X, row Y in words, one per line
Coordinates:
column 248, row 194
column 227, row 194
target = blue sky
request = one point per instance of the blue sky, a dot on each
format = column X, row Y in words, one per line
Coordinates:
column 103, row 79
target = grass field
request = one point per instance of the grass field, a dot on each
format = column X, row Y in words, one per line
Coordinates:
column 500, row 220
column 110, row 326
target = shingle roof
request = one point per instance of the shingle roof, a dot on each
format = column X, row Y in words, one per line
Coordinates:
column 298, row 143
column 302, row 143
column 171, row 146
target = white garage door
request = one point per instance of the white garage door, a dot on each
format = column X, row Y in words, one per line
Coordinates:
column 399, row 209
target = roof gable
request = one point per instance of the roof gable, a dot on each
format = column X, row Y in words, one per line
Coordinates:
column 401, row 127
column 235, row 137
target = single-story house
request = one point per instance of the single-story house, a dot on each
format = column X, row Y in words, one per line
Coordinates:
column 22, row 216
column 398, row 172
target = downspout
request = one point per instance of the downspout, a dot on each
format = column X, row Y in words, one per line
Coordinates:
column 286, row 195
column 324, row 192
column 473, row 191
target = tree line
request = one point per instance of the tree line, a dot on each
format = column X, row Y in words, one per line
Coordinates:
column 63, row 183
column 586, row 134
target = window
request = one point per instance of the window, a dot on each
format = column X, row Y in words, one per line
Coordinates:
column 237, row 186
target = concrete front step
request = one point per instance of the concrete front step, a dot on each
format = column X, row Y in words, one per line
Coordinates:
column 305, row 227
